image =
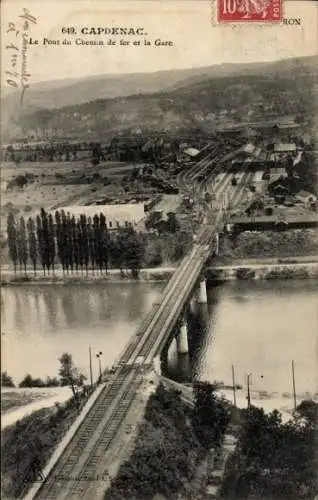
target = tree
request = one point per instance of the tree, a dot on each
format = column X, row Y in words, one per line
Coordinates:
column 75, row 242
column 97, row 241
column 32, row 242
column 64, row 242
column 172, row 222
column 6, row 380
column 308, row 409
column 28, row 381
column 117, row 250
column 51, row 242
column 69, row 242
column 91, row 243
column 79, row 245
column 59, row 239
column 96, row 154
column 272, row 459
column 12, row 240
column 212, row 414
column 134, row 251
column 104, row 242
column 22, row 244
column 69, row 374
column 41, row 246
column 153, row 219
column 84, row 241
column 46, row 239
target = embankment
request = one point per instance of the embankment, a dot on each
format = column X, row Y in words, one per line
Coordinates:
column 261, row 271
column 308, row 270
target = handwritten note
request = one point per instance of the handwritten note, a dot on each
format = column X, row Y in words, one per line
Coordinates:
column 17, row 43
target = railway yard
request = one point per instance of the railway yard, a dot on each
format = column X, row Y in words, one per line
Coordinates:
column 204, row 193
column 172, row 185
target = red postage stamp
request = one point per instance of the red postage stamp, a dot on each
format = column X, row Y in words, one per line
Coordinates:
column 249, row 10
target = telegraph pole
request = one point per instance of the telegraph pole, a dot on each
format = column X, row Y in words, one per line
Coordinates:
column 248, row 390
column 90, row 367
column 234, row 387
column 100, row 364
column 294, row 387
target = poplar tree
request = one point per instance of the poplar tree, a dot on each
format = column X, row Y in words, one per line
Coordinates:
column 22, row 244
column 91, row 243
column 51, row 242
column 59, row 239
column 80, row 245
column 39, row 235
column 104, row 242
column 97, row 242
column 69, row 242
column 32, row 242
column 84, row 241
column 75, row 242
column 12, row 240
column 64, row 241
column 45, row 239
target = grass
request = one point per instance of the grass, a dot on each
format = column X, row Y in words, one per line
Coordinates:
column 27, row 446
column 269, row 244
column 16, row 399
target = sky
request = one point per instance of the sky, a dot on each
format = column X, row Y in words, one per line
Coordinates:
column 197, row 40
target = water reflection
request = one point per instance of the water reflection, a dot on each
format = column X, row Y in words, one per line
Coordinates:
column 42, row 322
column 258, row 327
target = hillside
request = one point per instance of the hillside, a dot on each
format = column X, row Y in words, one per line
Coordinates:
column 166, row 100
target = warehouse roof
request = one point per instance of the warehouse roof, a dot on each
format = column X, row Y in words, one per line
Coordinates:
column 284, row 148
column 191, row 152
column 121, row 213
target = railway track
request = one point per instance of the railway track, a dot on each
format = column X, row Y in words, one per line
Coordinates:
column 87, row 448
column 108, row 411
column 84, row 457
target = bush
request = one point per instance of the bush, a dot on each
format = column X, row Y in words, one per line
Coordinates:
column 165, row 455
column 6, row 380
column 156, row 260
column 28, row 381
column 245, row 273
column 27, row 446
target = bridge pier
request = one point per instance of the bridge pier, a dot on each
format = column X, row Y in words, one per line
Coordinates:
column 182, row 338
column 202, row 297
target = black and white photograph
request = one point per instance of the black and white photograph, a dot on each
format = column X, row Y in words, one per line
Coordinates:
column 159, row 250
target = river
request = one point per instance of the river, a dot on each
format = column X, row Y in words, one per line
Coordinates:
column 258, row 327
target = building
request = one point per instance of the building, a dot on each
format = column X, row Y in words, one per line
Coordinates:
column 192, row 152
column 121, row 215
column 271, row 222
column 285, row 147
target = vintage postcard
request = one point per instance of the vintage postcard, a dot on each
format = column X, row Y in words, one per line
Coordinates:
column 159, row 249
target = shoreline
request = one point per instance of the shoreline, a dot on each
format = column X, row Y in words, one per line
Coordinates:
column 276, row 269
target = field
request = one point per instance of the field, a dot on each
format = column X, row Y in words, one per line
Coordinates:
column 58, row 184
column 12, row 399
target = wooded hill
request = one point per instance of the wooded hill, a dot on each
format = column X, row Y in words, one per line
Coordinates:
column 167, row 100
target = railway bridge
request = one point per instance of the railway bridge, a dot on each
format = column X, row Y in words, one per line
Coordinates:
column 71, row 473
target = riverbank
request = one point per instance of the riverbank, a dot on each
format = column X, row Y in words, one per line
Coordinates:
column 18, row 403
column 305, row 267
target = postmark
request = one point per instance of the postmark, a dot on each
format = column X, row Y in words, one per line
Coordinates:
column 234, row 11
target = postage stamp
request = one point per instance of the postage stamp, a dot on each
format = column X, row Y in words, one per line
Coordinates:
column 249, row 11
